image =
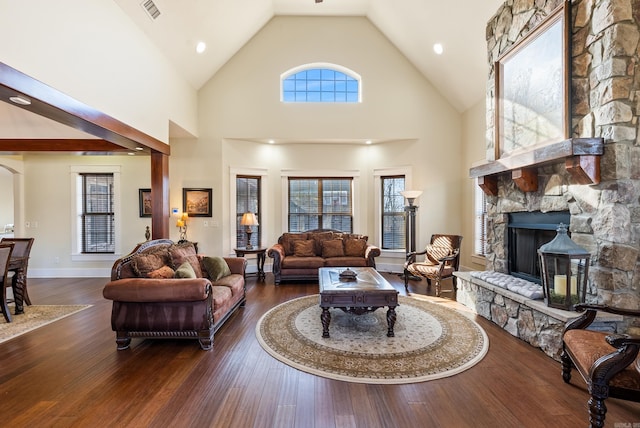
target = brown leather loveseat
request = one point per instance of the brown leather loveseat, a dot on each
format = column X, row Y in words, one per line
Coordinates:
column 166, row 290
column 297, row 256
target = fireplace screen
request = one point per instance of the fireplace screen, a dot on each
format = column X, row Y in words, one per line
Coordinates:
column 527, row 231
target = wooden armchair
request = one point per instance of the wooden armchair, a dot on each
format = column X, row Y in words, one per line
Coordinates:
column 442, row 258
column 608, row 363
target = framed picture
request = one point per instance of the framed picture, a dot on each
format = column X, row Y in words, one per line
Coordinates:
column 532, row 88
column 144, row 201
column 196, row 202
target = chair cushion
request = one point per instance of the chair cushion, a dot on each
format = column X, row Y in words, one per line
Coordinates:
column 185, row 271
column 355, row 247
column 332, row 248
column 429, row 270
column 436, row 252
column 587, row 346
column 304, row 248
column 216, row 267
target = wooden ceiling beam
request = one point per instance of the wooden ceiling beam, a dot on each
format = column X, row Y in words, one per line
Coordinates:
column 89, row 145
column 55, row 105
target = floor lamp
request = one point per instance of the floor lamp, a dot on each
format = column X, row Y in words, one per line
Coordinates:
column 410, row 224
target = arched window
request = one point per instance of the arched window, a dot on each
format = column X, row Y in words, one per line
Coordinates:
column 320, row 83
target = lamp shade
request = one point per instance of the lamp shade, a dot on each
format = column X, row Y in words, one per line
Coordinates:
column 411, row 194
column 249, row 219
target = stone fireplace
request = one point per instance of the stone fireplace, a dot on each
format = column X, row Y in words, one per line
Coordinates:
column 605, row 103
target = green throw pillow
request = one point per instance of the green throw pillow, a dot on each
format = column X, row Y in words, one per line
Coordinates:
column 185, row 271
column 216, row 267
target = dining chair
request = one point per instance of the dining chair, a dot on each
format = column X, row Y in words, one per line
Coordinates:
column 19, row 265
column 5, row 256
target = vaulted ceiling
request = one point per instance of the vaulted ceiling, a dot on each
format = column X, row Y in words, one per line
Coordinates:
column 413, row 26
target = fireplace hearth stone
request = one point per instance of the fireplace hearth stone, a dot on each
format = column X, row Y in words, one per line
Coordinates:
column 527, row 319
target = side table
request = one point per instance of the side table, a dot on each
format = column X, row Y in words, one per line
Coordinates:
column 261, row 255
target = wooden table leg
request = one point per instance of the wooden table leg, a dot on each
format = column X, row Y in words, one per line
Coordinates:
column 18, row 285
column 326, row 319
column 391, row 320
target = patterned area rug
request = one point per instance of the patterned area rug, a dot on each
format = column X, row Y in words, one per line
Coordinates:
column 431, row 341
column 34, row 316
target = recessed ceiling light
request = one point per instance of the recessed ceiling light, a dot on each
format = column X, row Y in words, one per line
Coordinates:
column 20, row 99
column 139, row 148
column 131, row 154
column 368, row 142
column 271, row 142
column 438, row 48
column 201, row 47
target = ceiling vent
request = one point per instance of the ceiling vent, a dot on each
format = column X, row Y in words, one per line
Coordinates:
column 151, row 9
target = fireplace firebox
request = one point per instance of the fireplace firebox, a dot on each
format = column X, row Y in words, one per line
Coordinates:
column 527, row 231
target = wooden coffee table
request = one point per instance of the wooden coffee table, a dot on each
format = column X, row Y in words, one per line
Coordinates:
column 367, row 293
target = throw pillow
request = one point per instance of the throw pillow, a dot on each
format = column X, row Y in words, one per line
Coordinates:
column 435, row 253
column 332, row 248
column 164, row 272
column 304, row 248
column 185, row 271
column 185, row 252
column 144, row 263
column 216, row 267
column 355, row 247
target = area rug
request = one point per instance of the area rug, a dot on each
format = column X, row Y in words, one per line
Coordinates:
column 431, row 341
column 34, row 316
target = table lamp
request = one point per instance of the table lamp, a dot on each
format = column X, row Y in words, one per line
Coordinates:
column 249, row 220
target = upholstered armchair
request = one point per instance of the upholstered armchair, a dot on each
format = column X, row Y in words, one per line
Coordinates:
column 607, row 362
column 441, row 259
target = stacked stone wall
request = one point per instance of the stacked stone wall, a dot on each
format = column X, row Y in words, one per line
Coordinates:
column 605, row 87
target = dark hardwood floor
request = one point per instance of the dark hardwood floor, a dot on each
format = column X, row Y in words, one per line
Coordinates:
column 69, row 373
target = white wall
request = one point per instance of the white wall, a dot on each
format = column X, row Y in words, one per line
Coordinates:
column 48, row 209
column 92, row 51
column 242, row 102
column 6, row 197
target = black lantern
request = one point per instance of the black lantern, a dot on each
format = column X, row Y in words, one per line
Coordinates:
column 564, row 267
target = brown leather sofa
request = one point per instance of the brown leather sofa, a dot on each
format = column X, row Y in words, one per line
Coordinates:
column 297, row 256
column 150, row 302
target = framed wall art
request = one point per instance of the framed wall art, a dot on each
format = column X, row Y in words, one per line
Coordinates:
column 197, row 202
column 532, row 88
column 144, row 202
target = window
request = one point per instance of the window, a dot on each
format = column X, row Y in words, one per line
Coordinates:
column 323, row 83
column 247, row 200
column 480, row 223
column 393, row 216
column 98, row 231
column 324, row 203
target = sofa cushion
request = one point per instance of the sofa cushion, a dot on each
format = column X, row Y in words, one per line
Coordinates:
column 235, row 282
column 185, row 252
column 216, row 267
column 221, row 296
column 318, row 238
column 346, row 261
column 288, row 239
column 355, row 247
column 185, row 271
column 164, row 272
column 332, row 248
column 304, row 248
column 293, row 262
column 144, row 263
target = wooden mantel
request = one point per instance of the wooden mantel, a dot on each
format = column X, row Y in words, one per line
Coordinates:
column 581, row 158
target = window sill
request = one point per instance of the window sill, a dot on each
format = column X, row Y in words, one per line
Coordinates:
column 393, row 254
column 477, row 259
column 94, row 257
